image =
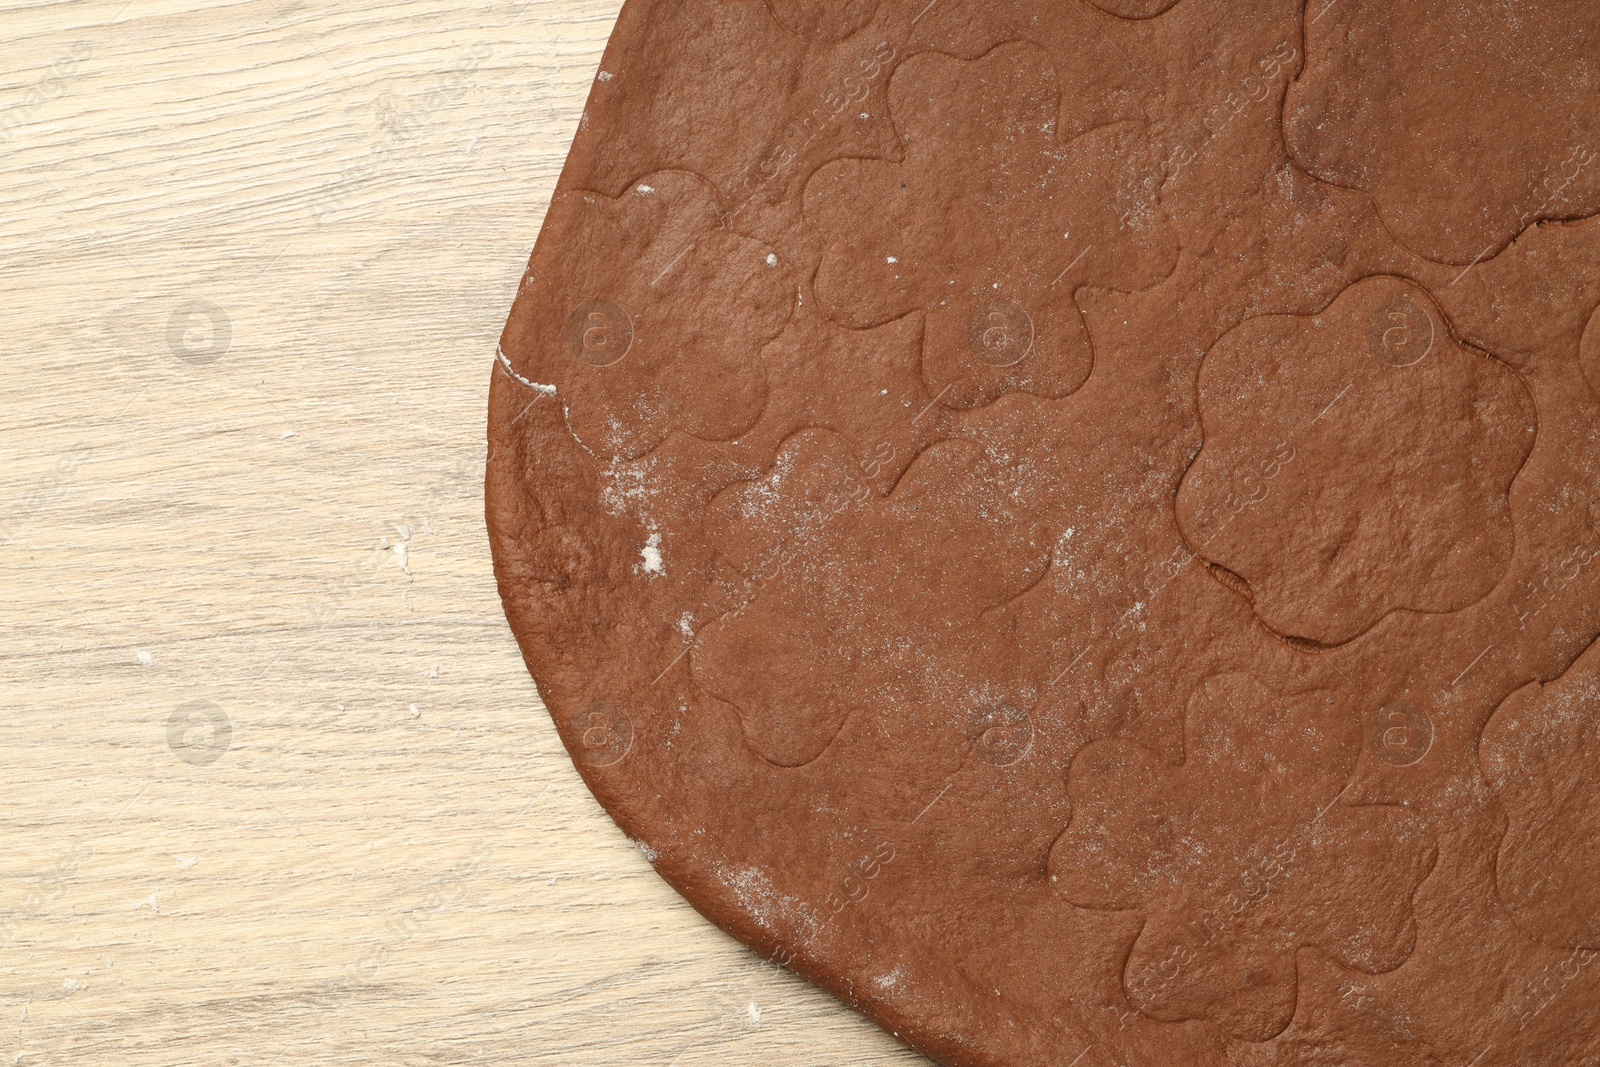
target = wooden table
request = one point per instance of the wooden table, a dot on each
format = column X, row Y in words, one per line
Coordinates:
column 281, row 789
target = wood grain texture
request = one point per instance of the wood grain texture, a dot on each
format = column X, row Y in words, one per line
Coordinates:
column 256, row 258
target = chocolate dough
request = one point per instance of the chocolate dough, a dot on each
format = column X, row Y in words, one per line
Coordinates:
column 1075, row 524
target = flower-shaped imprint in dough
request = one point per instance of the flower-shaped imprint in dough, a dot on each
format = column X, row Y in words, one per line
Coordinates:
column 1589, row 351
column 1355, row 462
column 648, row 315
column 1003, row 205
column 1539, row 753
column 1135, row 9
column 838, row 600
column 829, row 20
column 1241, row 856
column 1466, row 123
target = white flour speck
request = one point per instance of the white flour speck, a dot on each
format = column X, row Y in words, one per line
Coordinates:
column 651, row 554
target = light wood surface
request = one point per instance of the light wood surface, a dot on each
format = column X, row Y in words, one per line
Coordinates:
column 256, row 256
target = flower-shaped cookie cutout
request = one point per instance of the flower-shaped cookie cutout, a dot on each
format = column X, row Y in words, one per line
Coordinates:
column 1241, row 856
column 648, row 315
column 1465, row 130
column 837, row 600
column 1539, row 752
column 1002, row 207
column 1355, row 462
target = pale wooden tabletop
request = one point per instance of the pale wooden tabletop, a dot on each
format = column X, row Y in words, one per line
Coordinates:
column 281, row 790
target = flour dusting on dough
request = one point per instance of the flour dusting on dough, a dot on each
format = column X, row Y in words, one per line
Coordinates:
column 626, row 489
column 651, row 554
column 538, row 387
column 762, row 901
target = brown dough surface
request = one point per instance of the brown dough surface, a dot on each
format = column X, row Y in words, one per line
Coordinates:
column 1075, row 524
